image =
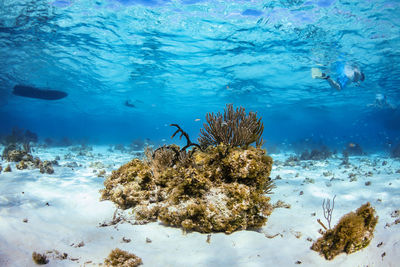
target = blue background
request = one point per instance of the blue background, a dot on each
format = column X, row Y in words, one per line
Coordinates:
column 177, row 60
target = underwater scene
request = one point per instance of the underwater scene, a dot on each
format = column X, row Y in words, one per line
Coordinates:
column 237, row 133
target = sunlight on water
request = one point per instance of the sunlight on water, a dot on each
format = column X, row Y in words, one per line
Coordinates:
column 197, row 56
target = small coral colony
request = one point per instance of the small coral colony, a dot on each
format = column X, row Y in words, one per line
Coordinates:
column 220, row 184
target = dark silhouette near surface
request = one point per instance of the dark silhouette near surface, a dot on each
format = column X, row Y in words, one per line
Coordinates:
column 33, row 92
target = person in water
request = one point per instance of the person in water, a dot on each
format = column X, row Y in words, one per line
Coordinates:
column 382, row 102
column 347, row 74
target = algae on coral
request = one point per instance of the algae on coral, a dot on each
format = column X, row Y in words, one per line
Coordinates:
column 122, row 258
column 39, row 259
column 354, row 231
column 221, row 187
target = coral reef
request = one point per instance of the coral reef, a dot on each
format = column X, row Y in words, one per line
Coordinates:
column 48, row 141
column 395, row 153
column 122, row 258
column 39, row 259
column 46, row 167
column 233, row 128
column 19, row 136
column 7, row 168
column 218, row 189
column 13, row 153
column 138, row 144
column 354, row 231
column 64, row 142
column 316, row 154
column 353, row 149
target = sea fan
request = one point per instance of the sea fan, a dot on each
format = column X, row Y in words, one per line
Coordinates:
column 234, row 128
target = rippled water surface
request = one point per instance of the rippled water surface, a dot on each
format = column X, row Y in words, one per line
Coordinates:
column 176, row 60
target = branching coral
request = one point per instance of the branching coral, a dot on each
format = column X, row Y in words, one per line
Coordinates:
column 233, row 128
column 354, row 231
column 183, row 133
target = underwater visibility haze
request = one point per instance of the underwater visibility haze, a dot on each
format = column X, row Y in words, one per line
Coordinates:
column 130, row 68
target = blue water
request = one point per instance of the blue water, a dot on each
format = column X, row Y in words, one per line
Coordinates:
column 177, row 60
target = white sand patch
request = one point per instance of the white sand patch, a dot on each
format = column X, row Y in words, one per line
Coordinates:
column 63, row 210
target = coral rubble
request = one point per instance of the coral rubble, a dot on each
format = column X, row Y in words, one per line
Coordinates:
column 25, row 160
column 354, row 231
column 122, row 258
column 46, row 167
column 217, row 189
column 7, row 168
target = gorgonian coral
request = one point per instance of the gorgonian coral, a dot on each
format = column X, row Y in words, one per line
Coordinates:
column 233, row 128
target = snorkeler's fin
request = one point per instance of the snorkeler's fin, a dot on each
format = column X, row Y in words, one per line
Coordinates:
column 316, row 73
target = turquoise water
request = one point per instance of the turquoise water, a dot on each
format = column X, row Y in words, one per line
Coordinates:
column 174, row 61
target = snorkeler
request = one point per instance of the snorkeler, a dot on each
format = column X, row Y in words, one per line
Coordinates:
column 347, row 74
column 382, row 102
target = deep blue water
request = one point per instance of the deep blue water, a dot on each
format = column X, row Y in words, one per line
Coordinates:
column 177, row 60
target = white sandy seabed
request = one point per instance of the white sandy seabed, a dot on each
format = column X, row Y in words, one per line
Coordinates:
column 61, row 213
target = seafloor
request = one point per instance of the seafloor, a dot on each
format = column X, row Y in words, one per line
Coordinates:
column 61, row 213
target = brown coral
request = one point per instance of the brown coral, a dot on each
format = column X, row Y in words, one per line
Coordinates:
column 353, row 232
column 18, row 155
column 233, row 128
column 220, row 189
column 122, row 258
column 128, row 186
column 46, row 167
column 39, row 259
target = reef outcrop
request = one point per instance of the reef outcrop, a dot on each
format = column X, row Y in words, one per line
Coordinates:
column 354, row 231
column 221, row 188
column 25, row 160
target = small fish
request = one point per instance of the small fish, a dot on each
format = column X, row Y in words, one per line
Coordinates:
column 129, row 104
column 352, row 145
column 224, row 123
column 197, row 120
